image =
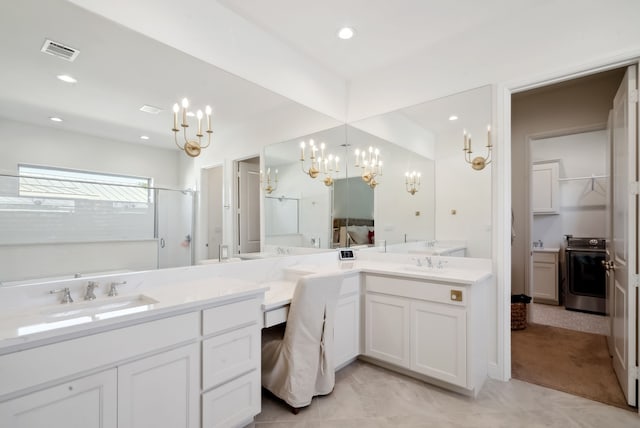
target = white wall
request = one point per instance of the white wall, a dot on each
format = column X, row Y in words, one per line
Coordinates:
column 53, row 146
column 464, row 190
column 40, row 145
column 582, row 210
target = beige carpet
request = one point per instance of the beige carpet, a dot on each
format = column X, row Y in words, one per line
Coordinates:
column 566, row 360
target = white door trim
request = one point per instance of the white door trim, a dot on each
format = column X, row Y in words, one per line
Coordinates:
column 501, row 190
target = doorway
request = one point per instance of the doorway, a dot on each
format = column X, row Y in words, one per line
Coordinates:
column 247, row 206
column 543, row 121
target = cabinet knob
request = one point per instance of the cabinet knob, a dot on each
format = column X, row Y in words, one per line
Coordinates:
column 456, row 295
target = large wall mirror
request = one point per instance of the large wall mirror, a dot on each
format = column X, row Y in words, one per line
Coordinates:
column 451, row 203
column 60, row 226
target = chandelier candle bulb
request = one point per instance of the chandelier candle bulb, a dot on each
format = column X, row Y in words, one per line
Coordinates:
column 199, row 115
column 488, row 135
column 302, row 150
column 208, row 111
column 176, row 109
column 185, row 104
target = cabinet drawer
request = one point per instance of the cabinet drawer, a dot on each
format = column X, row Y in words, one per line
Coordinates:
column 232, row 315
column 24, row 369
column 544, row 257
column 413, row 289
column 232, row 404
column 229, row 355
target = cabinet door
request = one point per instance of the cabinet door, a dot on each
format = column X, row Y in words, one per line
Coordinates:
column 545, row 285
column 439, row 337
column 82, row 403
column 161, row 390
column 347, row 329
column 545, row 189
column 387, row 329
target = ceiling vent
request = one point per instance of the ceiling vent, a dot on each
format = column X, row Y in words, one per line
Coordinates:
column 58, row 49
column 150, row 109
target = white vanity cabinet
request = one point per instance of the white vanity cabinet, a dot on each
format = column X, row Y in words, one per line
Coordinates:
column 347, row 322
column 430, row 328
column 200, row 368
column 231, row 350
column 161, row 390
column 88, row 402
column 387, row 321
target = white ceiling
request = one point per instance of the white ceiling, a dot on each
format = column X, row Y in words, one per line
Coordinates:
column 387, row 31
column 119, row 70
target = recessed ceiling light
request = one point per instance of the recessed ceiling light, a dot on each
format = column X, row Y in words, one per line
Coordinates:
column 453, row 117
column 150, row 109
column 346, row 33
column 55, row 119
column 66, row 78
column 144, row 137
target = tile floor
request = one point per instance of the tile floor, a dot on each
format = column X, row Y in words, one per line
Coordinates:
column 558, row 316
column 368, row 396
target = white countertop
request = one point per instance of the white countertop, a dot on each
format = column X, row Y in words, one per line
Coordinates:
column 546, row 250
column 281, row 292
column 34, row 326
column 27, row 324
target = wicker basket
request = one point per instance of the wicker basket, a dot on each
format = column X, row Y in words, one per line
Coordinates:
column 518, row 316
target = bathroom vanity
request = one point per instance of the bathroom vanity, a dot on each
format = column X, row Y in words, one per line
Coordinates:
column 182, row 347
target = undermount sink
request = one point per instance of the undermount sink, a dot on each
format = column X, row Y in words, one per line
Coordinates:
column 103, row 308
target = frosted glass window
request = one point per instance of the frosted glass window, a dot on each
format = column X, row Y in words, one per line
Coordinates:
column 51, row 205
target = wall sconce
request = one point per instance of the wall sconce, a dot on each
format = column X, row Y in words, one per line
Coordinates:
column 412, row 182
column 266, row 182
column 478, row 163
column 191, row 147
column 371, row 166
column 328, row 165
column 313, row 170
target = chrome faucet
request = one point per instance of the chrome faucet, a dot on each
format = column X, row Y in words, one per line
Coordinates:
column 66, row 294
column 89, row 294
column 429, row 262
column 113, row 289
column 418, row 261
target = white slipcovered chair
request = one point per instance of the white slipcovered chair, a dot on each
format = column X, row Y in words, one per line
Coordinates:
column 299, row 365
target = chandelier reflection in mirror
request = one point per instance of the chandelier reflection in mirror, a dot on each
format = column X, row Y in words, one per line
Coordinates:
column 478, row 163
column 327, row 164
column 371, row 165
column 313, row 169
column 412, row 182
column 191, row 147
column 267, row 184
